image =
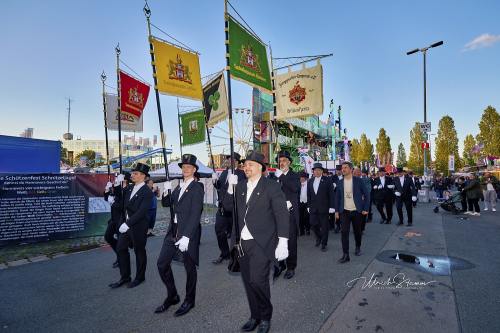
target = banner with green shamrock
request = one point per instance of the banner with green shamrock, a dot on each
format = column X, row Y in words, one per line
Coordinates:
column 215, row 100
column 248, row 57
column 193, row 127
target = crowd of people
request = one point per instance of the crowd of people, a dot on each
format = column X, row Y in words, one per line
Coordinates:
column 259, row 217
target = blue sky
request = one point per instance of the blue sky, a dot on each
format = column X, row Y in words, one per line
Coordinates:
column 57, row 49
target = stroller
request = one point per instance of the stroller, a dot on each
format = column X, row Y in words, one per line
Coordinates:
column 450, row 205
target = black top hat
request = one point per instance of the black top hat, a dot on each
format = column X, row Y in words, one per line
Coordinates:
column 318, row 166
column 284, row 153
column 188, row 159
column 338, row 167
column 141, row 167
column 304, row 174
column 236, row 156
column 127, row 176
column 381, row 169
column 256, row 157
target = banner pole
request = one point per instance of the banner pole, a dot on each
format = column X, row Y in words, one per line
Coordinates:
column 118, row 51
column 103, row 79
column 208, row 137
column 275, row 125
column 180, row 126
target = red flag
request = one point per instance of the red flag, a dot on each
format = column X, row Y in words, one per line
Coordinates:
column 133, row 94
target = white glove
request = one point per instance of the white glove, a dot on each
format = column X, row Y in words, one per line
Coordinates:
column 183, row 243
column 398, row 194
column 414, row 199
column 108, row 186
column 308, row 209
column 215, row 176
column 334, row 186
column 281, row 252
column 380, row 187
column 390, row 186
column 288, row 205
column 331, row 210
column 278, row 173
column 123, row 228
column 111, row 199
column 375, row 187
column 167, row 187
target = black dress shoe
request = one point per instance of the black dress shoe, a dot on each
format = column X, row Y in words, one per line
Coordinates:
column 388, row 222
column 289, row 274
column 219, row 260
column 116, row 264
column 185, row 308
column 345, row 258
column 400, row 223
column 323, row 248
column 250, row 325
column 264, row 326
column 382, row 221
column 119, row 283
column 167, row 303
column 135, row 283
column 308, row 233
column 318, row 242
column 357, row 252
column 410, row 224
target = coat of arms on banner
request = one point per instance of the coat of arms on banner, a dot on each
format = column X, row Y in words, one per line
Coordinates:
column 136, row 98
column 249, row 59
column 193, row 126
column 179, row 71
column 297, row 94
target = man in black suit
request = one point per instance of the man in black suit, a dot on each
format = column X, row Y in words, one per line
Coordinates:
column 417, row 183
column 183, row 235
column 352, row 199
column 305, row 227
column 223, row 217
column 263, row 223
column 383, row 187
column 133, row 231
column 320, row 203
column 405, row 193
column 290, row 184
column 337, row 176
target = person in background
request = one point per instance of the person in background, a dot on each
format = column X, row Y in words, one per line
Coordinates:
column 463, row 198
column 304, row 226
column 473, row 194
column 153, row 208
column 489, row 185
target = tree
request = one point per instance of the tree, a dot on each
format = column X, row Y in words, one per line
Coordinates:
column 468, row 153
column 489, row 131
column 401, row 156
column 446, row 144
column 416, row 158
column 89, row 154
column 365, row 149
column 355, row 150
column 383, row 147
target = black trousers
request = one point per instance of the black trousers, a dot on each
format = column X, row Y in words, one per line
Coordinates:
column 291, row 261
column 320, row 226
column 222, row 229
column 409, row 209
column 255, row 268
column 109, row 236
column 303, row 218
column 473, row 205
column 164, row 262
column 136, row 237
column 346, row 218
column 387, row 203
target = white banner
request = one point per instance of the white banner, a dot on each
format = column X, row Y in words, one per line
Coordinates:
column 451, row 162
column 129, row 122
column 299, row 93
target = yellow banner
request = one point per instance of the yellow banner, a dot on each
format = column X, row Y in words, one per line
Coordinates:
column 177, row 71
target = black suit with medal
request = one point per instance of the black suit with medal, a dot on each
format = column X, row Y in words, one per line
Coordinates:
column 137, row 219
column 267, row 218
column 188, row 209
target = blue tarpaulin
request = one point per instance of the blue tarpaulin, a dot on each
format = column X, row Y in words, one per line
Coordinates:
column 22, row 155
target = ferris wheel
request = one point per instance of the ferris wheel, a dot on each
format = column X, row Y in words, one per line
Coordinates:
column 242, row 133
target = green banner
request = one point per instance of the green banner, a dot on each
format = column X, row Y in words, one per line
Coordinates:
column 193, row 127
column 248, row 57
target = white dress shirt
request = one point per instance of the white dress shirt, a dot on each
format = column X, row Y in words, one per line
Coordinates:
column 402, row 180
column 183, row 185
column 382, row 181
column 303, row 192
column 245, row 233
column 316, row 182
column 136, row 188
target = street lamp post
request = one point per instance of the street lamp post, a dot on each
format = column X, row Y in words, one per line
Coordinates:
column 424, row 52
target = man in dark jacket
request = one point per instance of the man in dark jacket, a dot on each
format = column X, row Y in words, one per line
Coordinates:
column 290, row 184
column 135, row 227
column 352, row 200
column 405, row 193
column 383, row 187
column 183, row 235
column 263, row 223
column 320, row 203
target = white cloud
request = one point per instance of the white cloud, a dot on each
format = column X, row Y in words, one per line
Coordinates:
column 484, row 40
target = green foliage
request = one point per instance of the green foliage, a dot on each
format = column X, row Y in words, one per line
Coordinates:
column 489, row 132
column 446, row 144
column 401, row 160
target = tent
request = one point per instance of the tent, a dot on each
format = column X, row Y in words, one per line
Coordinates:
column 175, row 171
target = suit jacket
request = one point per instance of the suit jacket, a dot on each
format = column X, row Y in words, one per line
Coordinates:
column 137, row 207
column 417, row 183
column 407, row 189
column 221, row 186
column 265, row 214
column 323, row 200
column 384, row 194
column 188, row 211
column 117, row 207
column 290, row 184
column 361, row 195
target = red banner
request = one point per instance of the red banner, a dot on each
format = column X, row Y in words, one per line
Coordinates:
column 133, row 94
